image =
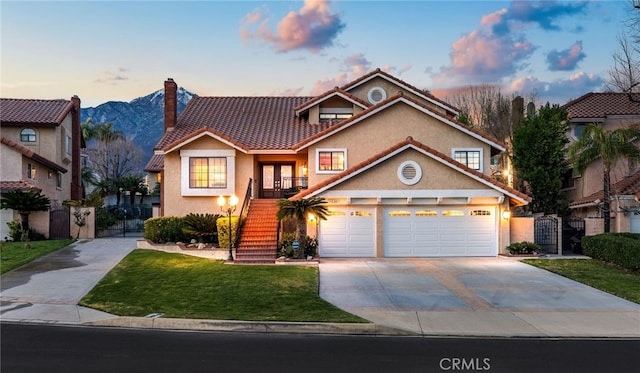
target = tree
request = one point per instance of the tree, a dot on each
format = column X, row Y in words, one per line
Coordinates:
column 539, row 157
column 299, row 210
column 133, row 184
column 624, row 75
column 25, row 202
column 609, row 146
column 115, row 159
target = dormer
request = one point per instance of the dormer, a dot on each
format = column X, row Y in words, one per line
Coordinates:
column 333, row 106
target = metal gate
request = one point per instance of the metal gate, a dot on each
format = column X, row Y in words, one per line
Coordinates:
column 572, row 233
column 120, row 221
column 59, row 223
column 546, row 233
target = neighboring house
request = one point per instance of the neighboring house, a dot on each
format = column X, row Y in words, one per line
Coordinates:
column 585, row 191
column 40, row 149
column 401, row 176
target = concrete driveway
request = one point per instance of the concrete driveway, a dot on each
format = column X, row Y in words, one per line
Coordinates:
column 474, row 296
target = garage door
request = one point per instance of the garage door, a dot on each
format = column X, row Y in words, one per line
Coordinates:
column 348, row 232
column 456, row 231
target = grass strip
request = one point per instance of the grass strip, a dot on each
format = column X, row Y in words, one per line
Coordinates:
column 14, row 254
column 595, row 273
column 183, row 286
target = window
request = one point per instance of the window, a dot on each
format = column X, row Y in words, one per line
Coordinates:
column 360, row 213
column 331, row 160
column 31, row 171
column 208, row 172
column 471, row 158
column 568, row 179
column 426, row 213
column 335, row 117
column 578, row 130
column 453, row 213
column 28, row 135
column 399, row 213
column 67, row 144
column 59, row 180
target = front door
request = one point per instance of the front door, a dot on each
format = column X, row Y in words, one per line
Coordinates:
column 276, row 177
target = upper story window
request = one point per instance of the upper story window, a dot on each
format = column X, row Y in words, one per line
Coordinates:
column 59, row 180
column 471, row 158
column 331, row 160
column 578, row 130
column 28, row 135
column 67, row 144
column 335, row 117
column 208, row 172
column 31, row 171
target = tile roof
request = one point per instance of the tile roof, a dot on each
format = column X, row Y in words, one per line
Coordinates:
column 333, row 92
column 629, row 186
column 32, row 155
column 391, row 100
column 409, row 141
column 601, row 105
column 22, row 185
column 155, row 164
column 15, row 111
column 251, row 123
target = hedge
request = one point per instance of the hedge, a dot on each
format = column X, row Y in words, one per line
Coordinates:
column 165, row 229
column 223, row 230
column 622, row 249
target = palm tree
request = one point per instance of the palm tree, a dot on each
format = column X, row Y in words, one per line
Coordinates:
column 610, row 146
column 24, row 202
column 299, row 209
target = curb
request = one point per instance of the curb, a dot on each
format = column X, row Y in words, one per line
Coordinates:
column 250, row 326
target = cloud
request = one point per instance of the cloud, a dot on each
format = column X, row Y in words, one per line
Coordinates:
column 559, row 91
column 314, row 28
column 113, row 77
column 567, row 59
column 542, row 14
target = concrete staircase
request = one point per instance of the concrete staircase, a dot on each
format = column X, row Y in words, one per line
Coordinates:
column 259, row 240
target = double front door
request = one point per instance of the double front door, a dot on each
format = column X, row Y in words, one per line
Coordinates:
column 276, row 177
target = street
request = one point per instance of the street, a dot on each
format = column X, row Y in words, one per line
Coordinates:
column 55, row 348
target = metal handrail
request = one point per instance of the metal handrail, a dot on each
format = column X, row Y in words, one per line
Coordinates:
column 244, row 211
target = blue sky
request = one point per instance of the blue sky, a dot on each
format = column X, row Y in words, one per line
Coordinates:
column 119, row 50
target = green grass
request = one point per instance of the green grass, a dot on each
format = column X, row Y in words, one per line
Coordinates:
column 183, row 286
column 14, row 254
column 600, row 275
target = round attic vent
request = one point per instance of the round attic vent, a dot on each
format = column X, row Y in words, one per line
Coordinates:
column 376, row 94
column 409, row 172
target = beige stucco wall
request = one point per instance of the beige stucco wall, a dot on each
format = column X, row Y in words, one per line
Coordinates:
column 370, row 136
column 521, row 230
column 88, row 230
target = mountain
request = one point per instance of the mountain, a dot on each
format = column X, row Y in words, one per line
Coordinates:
column 141, row 119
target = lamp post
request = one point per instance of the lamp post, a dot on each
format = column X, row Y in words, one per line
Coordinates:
column 229, row 207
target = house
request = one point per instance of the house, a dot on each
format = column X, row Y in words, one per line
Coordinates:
column 585, row 191
column 41, row 142
column 401, row 176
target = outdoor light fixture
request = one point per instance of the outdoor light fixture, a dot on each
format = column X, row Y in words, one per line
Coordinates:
column 506, row 214
column 229, row 207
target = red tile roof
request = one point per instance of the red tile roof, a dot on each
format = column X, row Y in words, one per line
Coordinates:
column 335, row 91
column 22, row 185
column 629, row 186
column 601, row 105
column 409, row 141
column 15, row 111
column 32, row 155
column 251, row 123
column 155, row 164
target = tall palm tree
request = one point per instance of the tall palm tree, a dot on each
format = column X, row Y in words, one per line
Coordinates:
column 299, row 209
column 611, row 147
column 24, row 202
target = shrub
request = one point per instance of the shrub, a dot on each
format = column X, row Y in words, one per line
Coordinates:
column 524, row 247
column 15, row 233
column 165, row 229
column 223, row 230
column 310, row 245
column 202, row 226
column 622, row 249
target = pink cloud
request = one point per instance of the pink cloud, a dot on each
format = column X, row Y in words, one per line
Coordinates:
column 314, row 27
column 493, row 18
column 567, row 59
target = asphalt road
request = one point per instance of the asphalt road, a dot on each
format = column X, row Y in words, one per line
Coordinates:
column 55, row 348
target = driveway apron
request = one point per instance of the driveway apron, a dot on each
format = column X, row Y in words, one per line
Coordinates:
column 474, row 296
column 49, row 288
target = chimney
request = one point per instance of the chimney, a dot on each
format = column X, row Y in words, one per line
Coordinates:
column 170, row 104
column 76, row 145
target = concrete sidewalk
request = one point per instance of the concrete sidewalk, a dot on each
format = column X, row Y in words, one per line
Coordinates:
column 495, row 297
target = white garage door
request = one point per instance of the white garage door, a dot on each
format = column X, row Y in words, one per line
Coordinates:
column 348, row 232
column 455, row 231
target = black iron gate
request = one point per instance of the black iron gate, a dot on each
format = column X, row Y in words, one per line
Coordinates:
column 119, row 221
column 545, row 230
column 59, row 223
column 572, row 233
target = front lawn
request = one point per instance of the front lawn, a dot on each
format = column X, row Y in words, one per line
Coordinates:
column 183, row 286
column 14, row 254
column 597, row 274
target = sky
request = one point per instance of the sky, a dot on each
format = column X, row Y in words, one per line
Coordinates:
column 120, row 50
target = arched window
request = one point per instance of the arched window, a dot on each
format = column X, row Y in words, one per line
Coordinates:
column 28, row 135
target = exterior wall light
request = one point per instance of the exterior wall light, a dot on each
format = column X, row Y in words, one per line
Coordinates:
column 506, row 214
